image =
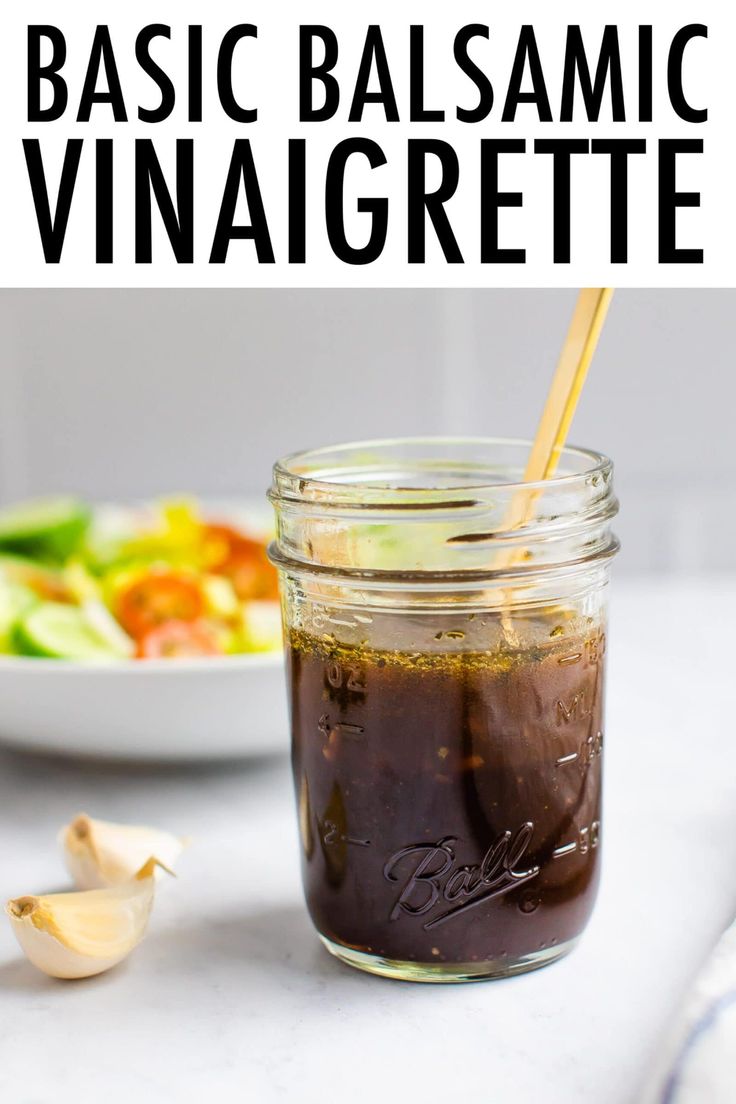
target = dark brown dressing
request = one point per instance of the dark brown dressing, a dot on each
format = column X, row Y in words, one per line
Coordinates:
column 449, row 803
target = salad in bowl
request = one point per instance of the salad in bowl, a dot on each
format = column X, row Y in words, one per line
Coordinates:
column 167, row 580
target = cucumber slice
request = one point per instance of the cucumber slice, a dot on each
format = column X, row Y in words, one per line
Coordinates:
column 107, row 629
column 50, row 527
column 55, row 631
column 15, row 601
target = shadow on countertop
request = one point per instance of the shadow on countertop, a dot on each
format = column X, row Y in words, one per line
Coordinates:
column 34, row 763
column 186, row 798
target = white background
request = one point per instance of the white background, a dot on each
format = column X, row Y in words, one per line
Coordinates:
column 267, row 78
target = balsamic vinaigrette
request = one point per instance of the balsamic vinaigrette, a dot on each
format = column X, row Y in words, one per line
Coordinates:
column 449, row 802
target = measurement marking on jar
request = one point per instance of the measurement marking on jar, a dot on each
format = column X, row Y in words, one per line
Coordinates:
column 341, row 728
column 592, row 748
column 588, row 838
column 338, row 676
column 595, row 649
column 351, row 730
column 569, row 660
column 572, row 710
column 567, row 759
column 318, row 620
column 331, row 834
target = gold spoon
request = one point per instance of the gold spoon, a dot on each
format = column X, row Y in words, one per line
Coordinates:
column 577, row 353
column 559, row 409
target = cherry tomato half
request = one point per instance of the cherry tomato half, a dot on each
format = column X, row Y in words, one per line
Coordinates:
column 243, row 560
column 157, row 598
column 178, row 640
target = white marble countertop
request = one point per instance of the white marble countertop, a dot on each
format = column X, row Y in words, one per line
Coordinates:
column 231, row 997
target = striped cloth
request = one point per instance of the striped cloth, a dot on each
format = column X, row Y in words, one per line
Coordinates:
column 699, row 1063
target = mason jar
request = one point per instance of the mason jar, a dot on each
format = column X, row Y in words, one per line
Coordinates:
column 445, row 628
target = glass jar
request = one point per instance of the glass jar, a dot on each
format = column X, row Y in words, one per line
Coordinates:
column 445, row 630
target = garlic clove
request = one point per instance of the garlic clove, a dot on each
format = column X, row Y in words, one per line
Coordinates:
column 76, row 935
column 99, row 853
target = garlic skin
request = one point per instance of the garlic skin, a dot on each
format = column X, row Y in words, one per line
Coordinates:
column 76, row 935
column 100, row 854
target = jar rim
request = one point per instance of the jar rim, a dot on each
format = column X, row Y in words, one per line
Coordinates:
column 439, row 506
column 294, row 479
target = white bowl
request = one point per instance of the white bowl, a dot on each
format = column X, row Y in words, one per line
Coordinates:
column 157, row 709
